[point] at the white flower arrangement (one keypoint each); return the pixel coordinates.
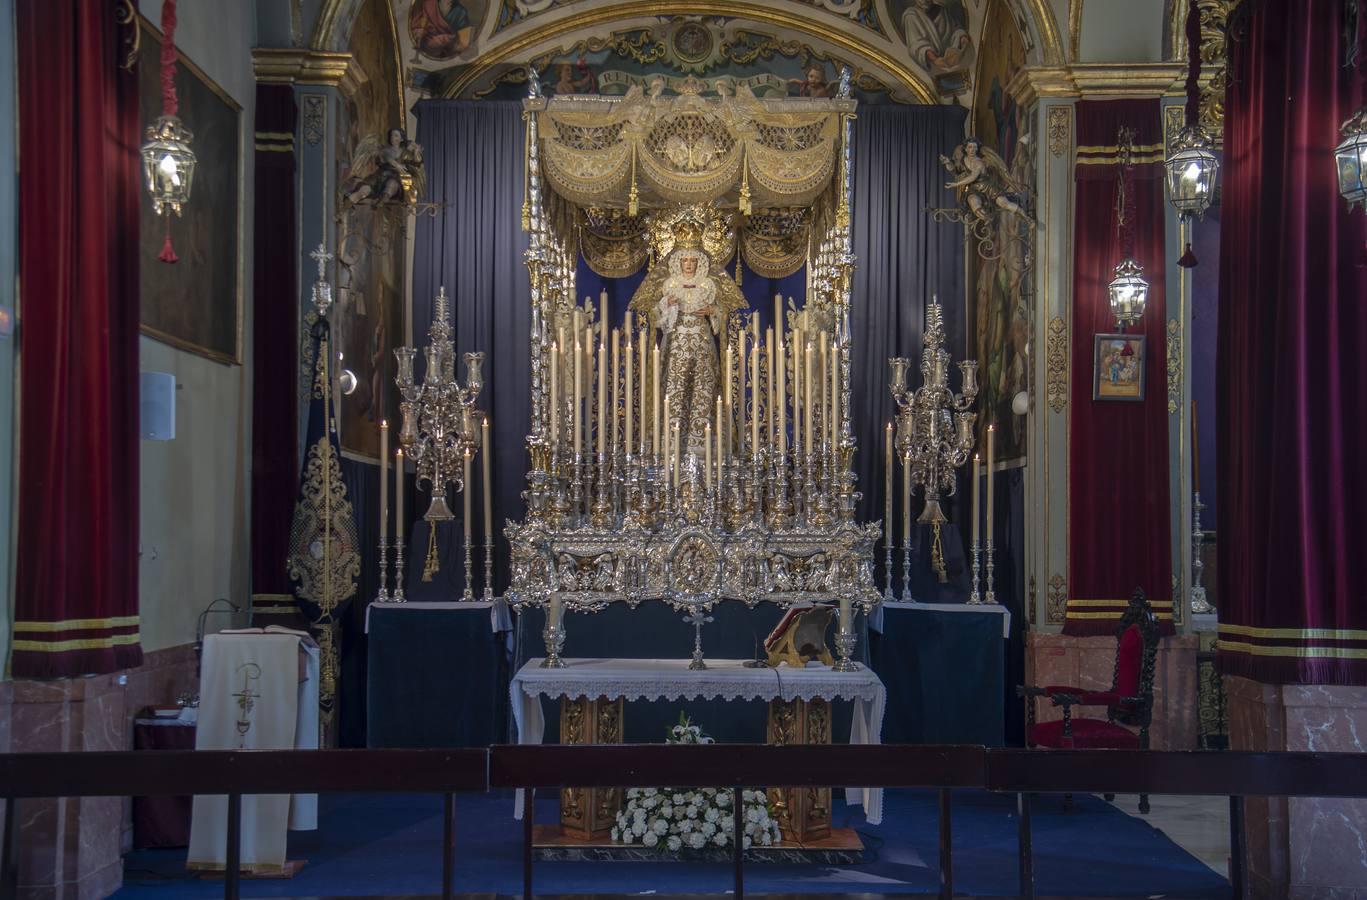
(674, 819)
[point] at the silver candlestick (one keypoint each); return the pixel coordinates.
(382, 596)
(976, 550)
(989, 595)
(906, 568)
(488, 567)
(844, 649)
(469, 593)
(1199, 603)
(398, 571)
(554, 636)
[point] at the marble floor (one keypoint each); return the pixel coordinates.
(1199, 825)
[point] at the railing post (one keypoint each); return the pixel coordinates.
(738, 838)
(232, 866)
(946, 848)
(1027, 855)
(1236, 847)
(9, 855)
(448, 846)
(528, 814)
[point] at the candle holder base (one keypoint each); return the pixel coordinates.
(844, 648)
(974, 596)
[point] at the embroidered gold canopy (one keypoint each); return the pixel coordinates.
(625, 160)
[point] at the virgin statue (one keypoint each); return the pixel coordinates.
(690, 305)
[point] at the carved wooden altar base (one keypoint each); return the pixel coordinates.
(803, 813)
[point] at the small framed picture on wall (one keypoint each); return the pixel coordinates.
(1119, 368)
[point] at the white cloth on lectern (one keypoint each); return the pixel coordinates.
(251, 698)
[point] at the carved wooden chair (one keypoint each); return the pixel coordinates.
(1128, 701)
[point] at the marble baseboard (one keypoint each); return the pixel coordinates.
(1089, 662)
(72, 848)
(1303, 848)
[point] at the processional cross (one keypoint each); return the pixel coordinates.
(697, 617)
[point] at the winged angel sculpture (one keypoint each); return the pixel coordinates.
(689, 299)
(386, 172)
(981, 180)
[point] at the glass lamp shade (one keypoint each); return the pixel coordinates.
(1350, 158)
(1192, 169)
(1129, 292)
(168, 164)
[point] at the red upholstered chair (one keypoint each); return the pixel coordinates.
(1128, 702)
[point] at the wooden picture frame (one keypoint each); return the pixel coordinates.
(1118, 363)
(196, 304)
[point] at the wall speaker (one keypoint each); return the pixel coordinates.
(157, 405)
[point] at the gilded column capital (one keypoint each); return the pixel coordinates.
(293, 65)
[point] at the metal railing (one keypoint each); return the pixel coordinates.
(448, 772)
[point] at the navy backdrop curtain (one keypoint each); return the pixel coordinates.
(901, 259)
(474, 248)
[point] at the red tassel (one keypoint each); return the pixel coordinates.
(1188, 260)
(168, 253)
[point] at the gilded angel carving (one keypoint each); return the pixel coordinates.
(981, 180)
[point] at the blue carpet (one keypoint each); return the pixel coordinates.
(376, 845)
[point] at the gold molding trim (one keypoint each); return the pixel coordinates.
(326, 24)
(300, 66)
(1059, 130)
(1129, 79)
(1034, 82)
(636, 9)
(1056, 360)
(1056, 601)
(1075, 28)
(1043, 14)
(1174, 366)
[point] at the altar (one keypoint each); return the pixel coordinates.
(593, 694)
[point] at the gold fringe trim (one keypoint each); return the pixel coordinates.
(116, 640)
(1333, 634)
(1301, 652)
(77, 624)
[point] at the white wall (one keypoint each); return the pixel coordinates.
(195, 490)
(1121, 31)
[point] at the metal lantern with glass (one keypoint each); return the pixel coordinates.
(1192, 167)
(934, 431)
(1129, 292)
(1350, 159)
(440, 430)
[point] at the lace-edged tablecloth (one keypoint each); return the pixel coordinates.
(723, 679)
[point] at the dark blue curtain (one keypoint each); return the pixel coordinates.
(474, 248)
(901, 259)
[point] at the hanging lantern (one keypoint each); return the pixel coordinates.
(1350, 158)
(1129, 293)
(168, 164)
(1192, 169)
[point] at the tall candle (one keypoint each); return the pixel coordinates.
(655, 398)
(1195, 453)
(603, 317)
(977, 476)
(778, 313)
(721, 454)
(825, 413)
(797, 390)
(782, 404)
(674, 450)
(644, 350)
(771, 419)
(384, 482)
(807, 416)
(469, 489)
(602, 397)
(754, 394)
(399, 524)
(835, 396)
(488, 479)
(668, 454)
(991, 456)
(555, 394)
(887, 489)
(906, 499)
(615, 390)
(726, 375)
(629, 408)
(578, 393)
(707, 456)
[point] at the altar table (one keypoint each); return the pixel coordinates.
(795, 692)
(945, 669)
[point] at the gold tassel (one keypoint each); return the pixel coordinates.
(432, 566)
(937, 555)
(745, 183)
(633, 198)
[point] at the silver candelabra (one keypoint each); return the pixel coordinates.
(934, 426)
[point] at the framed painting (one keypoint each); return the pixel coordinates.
(195, 304)
(1119, 367)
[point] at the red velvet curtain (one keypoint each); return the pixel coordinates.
(1119, 527)
(275, 342)
(76, 603)
(1292, 358)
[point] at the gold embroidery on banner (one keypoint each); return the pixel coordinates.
(1056, 360)
(1174, 366)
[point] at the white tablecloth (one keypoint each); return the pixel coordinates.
(725, 679)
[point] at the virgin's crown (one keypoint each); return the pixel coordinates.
(687, 235)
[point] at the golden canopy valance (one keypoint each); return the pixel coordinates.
(644, 150)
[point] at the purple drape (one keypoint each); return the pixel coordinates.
(1292, 368)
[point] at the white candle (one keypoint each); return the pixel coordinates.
(906, 501)
(629, 408)
(781, 407)
(469, 489)
(721, 453)
(643, 349)
(707, 456)
(991, 456)
(384, 482)
(553, 616)
(602, 397)
(614, 395)
(771, 417)
(754, 396)
(726, 376)
(673, 452)
(668, 453)
(846, 614)
(655, 399)
(578, 393)
(977, 476)
(887, 489)
(821, 401)
(778, 313)
(808, 423)
(835, 396)
(555, 394)
(488, 479)
(399, 524)
(603, 317)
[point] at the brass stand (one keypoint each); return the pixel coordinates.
(803, 813)
(590, 813)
